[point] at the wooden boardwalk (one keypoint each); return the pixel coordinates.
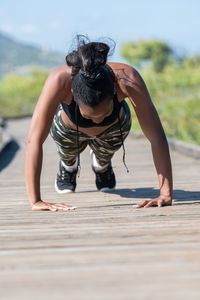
(106, 249)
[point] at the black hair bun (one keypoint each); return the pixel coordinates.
(89, 57)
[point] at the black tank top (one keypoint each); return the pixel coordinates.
(70, 110)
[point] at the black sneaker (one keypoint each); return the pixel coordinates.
(105, 179)
(65, 180)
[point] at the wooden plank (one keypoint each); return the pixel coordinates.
(106, 249)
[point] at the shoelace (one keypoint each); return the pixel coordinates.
(124, 153)
(98, 177)
(104, 176)
(77, 139)
(67, 176)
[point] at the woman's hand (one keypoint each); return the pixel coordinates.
(40, 205)
(159, 201)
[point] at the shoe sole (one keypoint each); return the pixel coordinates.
(106, 189)
(67, 191)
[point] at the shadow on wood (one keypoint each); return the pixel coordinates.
(8, 153)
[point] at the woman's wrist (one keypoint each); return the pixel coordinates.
(166, 197)
(33, 202)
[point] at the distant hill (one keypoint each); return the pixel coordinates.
(18, 57)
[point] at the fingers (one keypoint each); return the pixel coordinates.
(160, 203)
(141, 204)
(52, 207)
(62, 207)
(150, 203)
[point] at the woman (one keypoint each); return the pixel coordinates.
(82, 103)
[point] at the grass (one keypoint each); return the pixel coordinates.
(19, 94)
(175, 92)
(176, 96)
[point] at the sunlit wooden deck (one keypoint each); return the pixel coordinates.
(106, 249)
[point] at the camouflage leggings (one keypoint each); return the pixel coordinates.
(104, 144)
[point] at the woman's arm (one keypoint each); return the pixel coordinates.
(39, 129)
(152, 128)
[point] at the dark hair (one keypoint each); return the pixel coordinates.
(92, 79)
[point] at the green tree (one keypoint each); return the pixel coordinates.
(158, 53)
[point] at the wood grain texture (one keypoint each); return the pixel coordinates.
(106, 249)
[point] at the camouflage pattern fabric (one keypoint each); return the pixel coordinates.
(104, 144)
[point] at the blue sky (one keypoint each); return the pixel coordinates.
(53, 24)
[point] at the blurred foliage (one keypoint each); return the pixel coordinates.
(174, 89)
(176, 95)
(19, 94)
(158, 53)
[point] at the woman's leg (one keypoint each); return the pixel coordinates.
(66, 143)
(103, 148)
(66, 140)
(107, 143)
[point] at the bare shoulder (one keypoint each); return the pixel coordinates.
(60, 77)
(127, 77)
